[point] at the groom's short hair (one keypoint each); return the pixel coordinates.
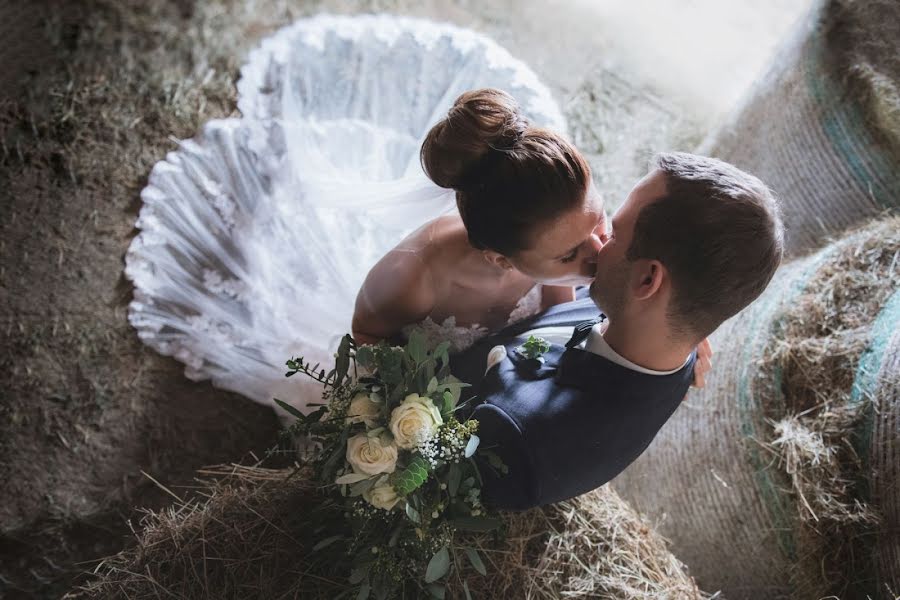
(718, 231)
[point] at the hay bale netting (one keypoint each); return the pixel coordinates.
(822, 128)
(779, 479)
(254, 536)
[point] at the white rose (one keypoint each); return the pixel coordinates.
(414, 421)
(363, 410)
(382, 496)
(371, 455)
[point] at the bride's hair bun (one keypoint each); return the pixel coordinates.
(509, 178)
(481, 121)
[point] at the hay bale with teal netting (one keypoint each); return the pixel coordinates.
(822, 127)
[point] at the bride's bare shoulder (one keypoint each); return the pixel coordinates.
(401, 289)
(436, 239)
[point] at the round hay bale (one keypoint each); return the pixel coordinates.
(822, 127)
(779, 479)
(255, 532)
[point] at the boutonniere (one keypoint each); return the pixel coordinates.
(534, 348)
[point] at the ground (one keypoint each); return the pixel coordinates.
(94, 425)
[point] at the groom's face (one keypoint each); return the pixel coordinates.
(611, 289)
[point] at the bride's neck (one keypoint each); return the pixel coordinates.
(472, 264)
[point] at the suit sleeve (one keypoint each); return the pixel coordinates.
(500, 434)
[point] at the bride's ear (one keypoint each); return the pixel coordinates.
(497, 259)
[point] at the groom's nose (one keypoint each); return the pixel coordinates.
(594, 246)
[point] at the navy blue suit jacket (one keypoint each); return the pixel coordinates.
(565, 426)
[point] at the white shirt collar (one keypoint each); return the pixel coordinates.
(597, 345)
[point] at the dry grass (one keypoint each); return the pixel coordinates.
(816, 349)
(249, 535)
(863, 36)
(254, 531)
(593, 546)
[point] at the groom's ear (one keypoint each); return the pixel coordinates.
(649, 278)
(497, 259)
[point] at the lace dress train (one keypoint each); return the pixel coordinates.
(256, 235)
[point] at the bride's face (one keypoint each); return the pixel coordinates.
(564, 250)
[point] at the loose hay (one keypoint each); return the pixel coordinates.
(253, 536)
(593, 546)
(250, 536)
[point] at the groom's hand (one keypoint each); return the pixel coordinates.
(703, 364)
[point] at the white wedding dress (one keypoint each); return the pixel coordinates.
(257, 234)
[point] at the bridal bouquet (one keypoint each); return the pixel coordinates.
(389, 444)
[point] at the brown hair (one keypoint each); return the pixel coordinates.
(508, 176)
(718, 231)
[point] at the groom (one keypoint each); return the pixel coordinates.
(695, 242)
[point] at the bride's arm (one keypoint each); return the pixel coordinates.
(397, 292)
(551, 295)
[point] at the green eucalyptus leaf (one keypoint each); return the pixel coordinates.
(441, 352)
(429, 373)
(291, 410)
(359, 573)
(415, 347)
(364, 590)
(340, 451)
(466, 590)
(345, 594)
(438, 566)
(381, 587)
(358, 489)
(475, 523)
(437, 591)
(395, 536)
(326, 542)
(475, 559)
(413, 514)
(432, 386)
(350, 478)
(453, 479)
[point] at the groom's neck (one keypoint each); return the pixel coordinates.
(646, 342)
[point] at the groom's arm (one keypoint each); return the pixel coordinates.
(500, 434)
